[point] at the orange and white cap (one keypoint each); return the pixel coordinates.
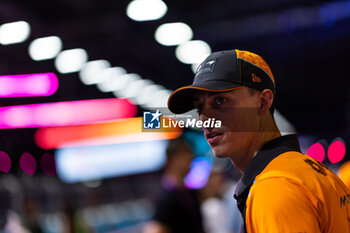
(224, 71)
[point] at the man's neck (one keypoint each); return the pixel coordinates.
(265, 134)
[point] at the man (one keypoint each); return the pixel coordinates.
(281, 190)
(177, 208)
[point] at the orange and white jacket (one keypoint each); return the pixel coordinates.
(284, 191)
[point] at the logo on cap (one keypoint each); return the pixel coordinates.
(255, 78)
(206, 66)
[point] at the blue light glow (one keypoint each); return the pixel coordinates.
(75, 164)
(199, 173)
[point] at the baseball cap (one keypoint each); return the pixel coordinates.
(224, 71)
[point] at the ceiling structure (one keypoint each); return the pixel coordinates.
(306, 44)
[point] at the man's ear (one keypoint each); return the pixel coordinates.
(266, 100)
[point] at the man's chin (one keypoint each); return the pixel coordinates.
(219, 153)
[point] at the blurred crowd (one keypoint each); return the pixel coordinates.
(156, 202)
(159, 202)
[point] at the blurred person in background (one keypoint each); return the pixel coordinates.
(281, 189)
(14, 223)
(31, 210)
(5, 206)
(10, 220)
(219, 210)
(177, 208)
(74, 223)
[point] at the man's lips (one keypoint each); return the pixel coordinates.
(213, 137)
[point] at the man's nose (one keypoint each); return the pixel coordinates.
(205, 112)
(203, 116)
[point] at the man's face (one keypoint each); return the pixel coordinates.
(238, 112)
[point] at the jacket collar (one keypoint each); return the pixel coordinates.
(265, 155)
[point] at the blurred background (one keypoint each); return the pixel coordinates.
(77, 75)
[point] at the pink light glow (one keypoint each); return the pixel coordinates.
(27, 85)
(336, 151)
(317, 151)
(65, 113)
(27, 163)
(5, 162)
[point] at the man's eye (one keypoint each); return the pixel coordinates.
(220, 100)
(197, 105)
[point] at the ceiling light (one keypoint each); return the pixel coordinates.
(134, 88)
(145, 96)
(69, 61)
(122, 82)
(173, 33)
(45, 48)
(89, 74)
(144, 10)
(107, 77)
(158, 99)
(12, 33)
(194, 51)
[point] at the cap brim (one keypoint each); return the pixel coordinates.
(181, 100)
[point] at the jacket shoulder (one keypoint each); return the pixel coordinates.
(296, 166)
